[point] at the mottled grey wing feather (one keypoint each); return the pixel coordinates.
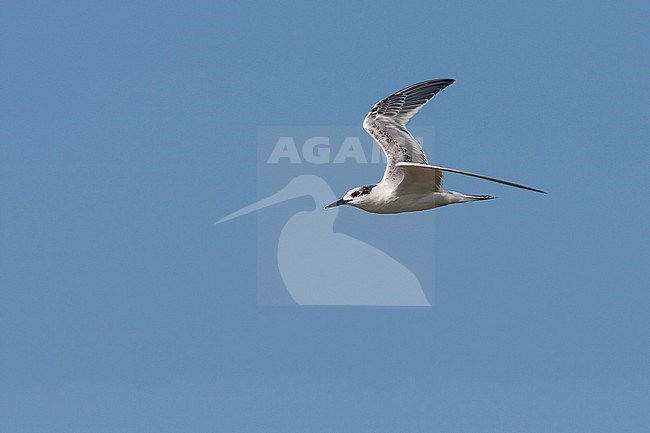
(387, 120)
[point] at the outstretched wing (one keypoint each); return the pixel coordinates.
(417, 179)
(415, 174)
(387, 120)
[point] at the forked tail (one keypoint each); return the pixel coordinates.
(479, 197)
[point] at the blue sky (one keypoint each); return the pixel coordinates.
(128, 129)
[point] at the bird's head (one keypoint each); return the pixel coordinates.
(355, 197)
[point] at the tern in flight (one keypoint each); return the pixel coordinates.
(409, 183)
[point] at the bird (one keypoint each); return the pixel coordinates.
(410, 183)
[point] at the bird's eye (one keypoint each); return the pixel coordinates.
(355, 194)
